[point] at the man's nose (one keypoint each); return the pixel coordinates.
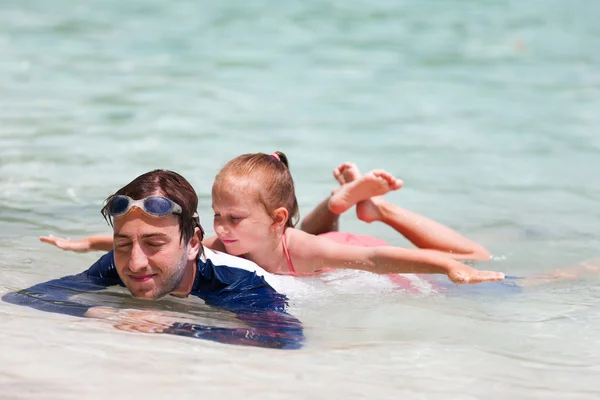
(138, 260)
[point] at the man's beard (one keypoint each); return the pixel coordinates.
(174, 280)
(170, 283)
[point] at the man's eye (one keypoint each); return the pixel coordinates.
(122, 245)
(155, 244)
(235, 217)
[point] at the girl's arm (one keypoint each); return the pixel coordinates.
(315, 253)
(90, 243)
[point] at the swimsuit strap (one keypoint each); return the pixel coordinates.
(287, 255)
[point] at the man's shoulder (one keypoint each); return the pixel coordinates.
(236, 283)
(104, 271)
(243, 269)
(224, 259)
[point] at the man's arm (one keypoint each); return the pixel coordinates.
(270, 329)
(256, 303)
(56, 295)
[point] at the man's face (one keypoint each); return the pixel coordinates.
(149, 256)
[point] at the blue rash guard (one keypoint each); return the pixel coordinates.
(240, 288)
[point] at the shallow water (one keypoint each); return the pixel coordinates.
(488, 112)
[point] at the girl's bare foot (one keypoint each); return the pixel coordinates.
(370, 210)
(346, 173)
(374, 183)
(367, 210)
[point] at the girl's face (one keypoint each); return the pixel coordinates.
(241, 222)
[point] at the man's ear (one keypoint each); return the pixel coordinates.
(194, 245)
(280, 217)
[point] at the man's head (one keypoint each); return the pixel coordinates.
(156, 241)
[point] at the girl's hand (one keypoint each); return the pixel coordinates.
(467, 275)
(77, 245)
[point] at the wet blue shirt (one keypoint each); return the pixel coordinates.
(223, 281)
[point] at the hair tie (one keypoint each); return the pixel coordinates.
(276, 156)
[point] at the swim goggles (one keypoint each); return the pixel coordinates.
(156, 206)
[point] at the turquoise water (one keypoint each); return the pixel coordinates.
(488, 111)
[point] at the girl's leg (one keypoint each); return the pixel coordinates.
(364, 191)
(354, 189)
(421, 231)
(321, 219)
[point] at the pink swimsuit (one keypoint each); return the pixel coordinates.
(287, 256)
(291, 266)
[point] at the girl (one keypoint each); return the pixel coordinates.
(255, 210)
(255, 207)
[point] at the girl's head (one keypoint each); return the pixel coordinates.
(253, 190)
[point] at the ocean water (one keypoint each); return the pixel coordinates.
(487, 110)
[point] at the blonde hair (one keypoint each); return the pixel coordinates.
(275, 186)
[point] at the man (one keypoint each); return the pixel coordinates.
(157, 251)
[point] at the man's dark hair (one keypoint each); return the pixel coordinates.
(168, 184)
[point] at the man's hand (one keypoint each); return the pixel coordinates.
(132, 320)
